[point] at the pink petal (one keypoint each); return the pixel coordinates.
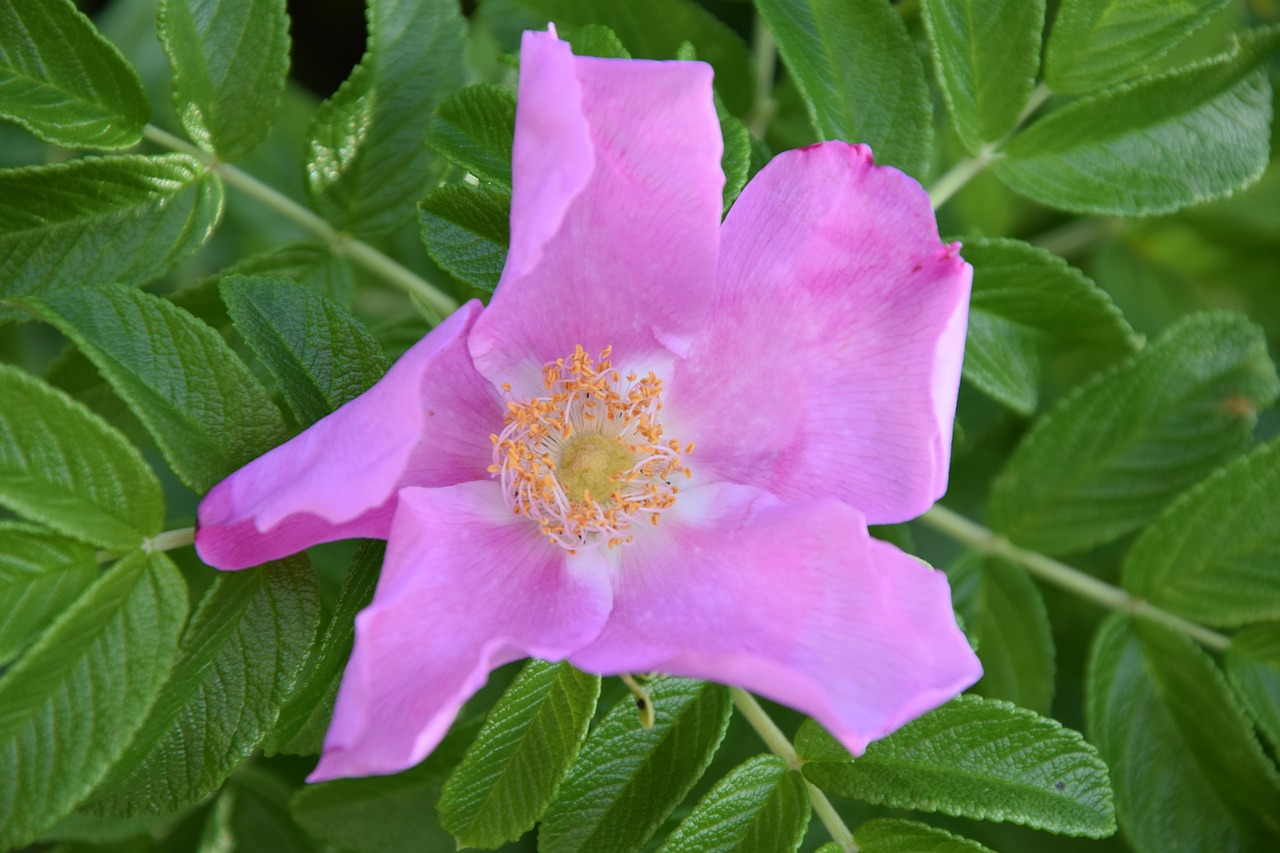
(791, 601)
(615, 210)
(426, 423)
(830, 362)
(466, 587)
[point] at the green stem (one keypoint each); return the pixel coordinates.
(165, 541)
(780, 746)
(766, 62)
(339, 242)
(1073, 580)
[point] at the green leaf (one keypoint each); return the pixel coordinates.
(320, 355)
(123, 219)
(517, 762)
(1109, 456)
(466, 229)
(61, 80)
(63, 466)
(1188, 772)
(627, 779)
(237, 663)
(1212, 555)
(975, 758)
(860, 74)
(1253, 665)
(40, 574)
(1141, 148)
(70, 704)
(366, 162)
(229, 60)
(759, 805)
(1098, 43)
(1003, 611)
(203, 407)
(736, 160)
(596, 40)
(474, 129)
(888, 835)
(251, 815)
(986, 53)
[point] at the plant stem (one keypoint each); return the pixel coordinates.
(339, 242)
(165, 541)
(780, 746)
(766, 62)
(1059, 574)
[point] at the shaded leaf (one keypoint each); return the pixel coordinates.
(887, 835)
(474, 129)
(466, 229)
(1253, 665)
(41, 573)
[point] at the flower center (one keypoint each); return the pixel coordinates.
(588, 459)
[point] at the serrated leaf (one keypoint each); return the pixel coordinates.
(63, 466)
(1156, 145)
(860, 74)
(466, 229)
(70, 704)
(1188, 772)
(205, 410)
(229, 60)
(1003, 361)
(41, 573)
(627, 779)
(514, 768)
(123, 219)
(1109, 456)
(736, 160)
(320, 355)
(759, 805)
(61, 80)
(888, 835)
(1004, 612)
(986, 53)
(474, 129)
(595, 40)
(976, 758)
(1212, 555)
(237, 663)
(366, 163)
(1253, 665)
(1098, 43)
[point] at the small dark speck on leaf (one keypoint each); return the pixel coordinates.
(1060, 786)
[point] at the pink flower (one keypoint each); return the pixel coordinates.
(659, 447)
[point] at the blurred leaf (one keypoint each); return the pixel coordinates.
(70, 704)
(320, 355)
(595, 40)
(61, 80)
(229, 59)
(466, 229)
(887, 835)
(986, 53)
(517, 762)
(1109, 456)
(1253, 665)
(124, 219)
(40, 574)
(252, 815)
(1098, 43)
(860, 73)
(1212, 555)
(311, 264)
(61, 465)
(203, 407)
(976, 758)
(474, 129)
(1141, 148)
(759, 805)
(366, 162)
(1188, 772)
(627, 779)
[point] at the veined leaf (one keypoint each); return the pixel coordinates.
(977, 758)
(736, 160)
(474, 129)
(860, 74)
(70, 704)
(598, 40)
(205, 410)
(229, 60)
(61, 80)
(1188, 772)
(1253, 665)
(887, 835)
(514, 768)
(63, 466)
(41, 573)
(1109, 457)
(1212, 555)
(627, 779)
(1140, 149)
(759, 805)
(123, 219)
(466, 229)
